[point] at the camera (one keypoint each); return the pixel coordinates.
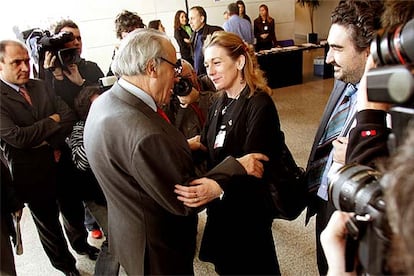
(183, 87)
(40, 41)
(106, 83)
(356, 188)
(393, 80)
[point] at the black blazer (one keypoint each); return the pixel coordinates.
(29, 137)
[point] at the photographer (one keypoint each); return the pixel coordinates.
(67, 80)
(188, 109)
(400, 213)
(368, 140)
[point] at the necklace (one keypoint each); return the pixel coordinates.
(224, 110)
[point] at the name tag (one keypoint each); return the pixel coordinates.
(265, 28)
(219, 142)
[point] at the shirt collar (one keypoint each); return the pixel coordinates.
(136, 91)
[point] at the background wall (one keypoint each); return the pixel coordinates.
(95, 18)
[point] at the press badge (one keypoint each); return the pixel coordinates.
(221, 135)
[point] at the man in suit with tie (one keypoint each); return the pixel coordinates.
(138, 156)
(34, 124)
(354, 25)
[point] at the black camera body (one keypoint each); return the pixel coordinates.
(40, 41)
(183, 87)
(356, 188)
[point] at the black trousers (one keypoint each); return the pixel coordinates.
(45, 214)
(325, 209)
(70, 200)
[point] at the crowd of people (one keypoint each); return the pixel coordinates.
(93, 156)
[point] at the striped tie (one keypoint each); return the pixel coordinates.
(332, 131)
(25, 94)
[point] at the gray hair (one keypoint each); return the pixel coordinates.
(136, 50)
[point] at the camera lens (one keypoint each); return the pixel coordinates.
(183, 87)
(395, 45)
(354, 187)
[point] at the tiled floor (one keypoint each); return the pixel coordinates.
(300, 108)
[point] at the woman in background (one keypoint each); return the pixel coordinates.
(182, 33)
(243, 119)
(156, 25)
(264, 30)
(242, 10)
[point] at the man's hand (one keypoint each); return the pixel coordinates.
(189, 99)
(49, 64)
(252, 163)
(333, 242)
(195, 143)
(200, 192)
(339, 146)
(55, 117)
(73, 74)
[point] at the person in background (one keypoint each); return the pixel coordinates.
(226, 15)
(236, 24)
(126, 133)
(188, 113)
(94, 199)
(34, 125)
(11, 208)
(354, 25)
(242, 11)
(156, 25)
(243, 119)
(264, 30)
(67, 81)
(182, 33)
(198, 23)
(125, 22)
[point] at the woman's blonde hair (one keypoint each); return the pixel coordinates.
(235, 47)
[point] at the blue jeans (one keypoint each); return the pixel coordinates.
(106, 263)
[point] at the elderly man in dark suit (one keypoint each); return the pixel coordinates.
(34, 124)
(138, 157)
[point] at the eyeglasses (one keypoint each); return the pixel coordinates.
(178, 68)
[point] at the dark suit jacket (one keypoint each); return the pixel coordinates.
(205, 31)
(336, 93)
(185, 48)
(29, 137)
(137, 158)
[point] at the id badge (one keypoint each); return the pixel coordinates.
(265, 28)
(219, 142)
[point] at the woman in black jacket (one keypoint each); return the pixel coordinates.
(182, 33)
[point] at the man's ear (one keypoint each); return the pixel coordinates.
(203, 19)
(151, 68)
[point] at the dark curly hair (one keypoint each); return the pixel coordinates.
(83, 100)
(361, 17)
(127, 21)
(64, 23)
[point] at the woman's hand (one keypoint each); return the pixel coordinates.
(200, 192)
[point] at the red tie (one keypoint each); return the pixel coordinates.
(162, 114)
(25, 94)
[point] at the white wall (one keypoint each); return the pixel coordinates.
(95, 18)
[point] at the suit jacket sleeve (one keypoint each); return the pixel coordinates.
(368, 140)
